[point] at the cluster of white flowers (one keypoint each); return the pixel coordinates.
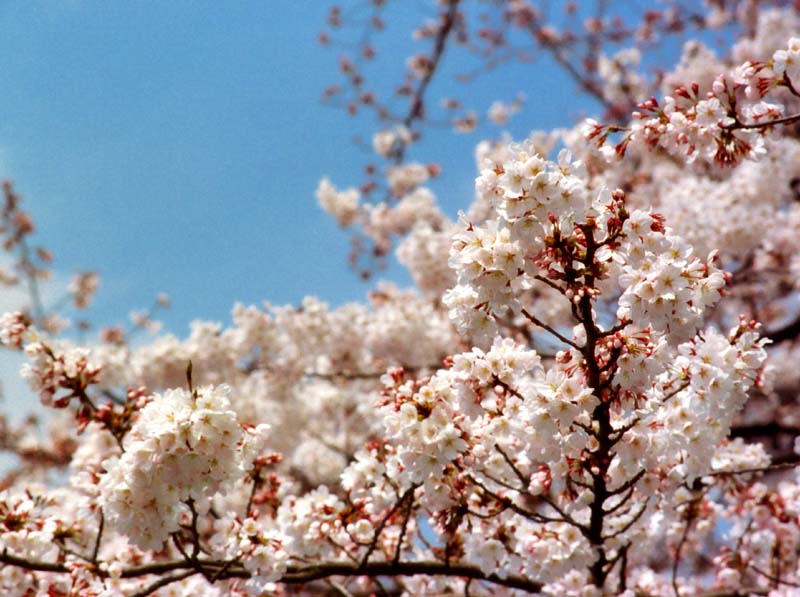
(786, 62)
(728, 124)
(535, 200)
(769, 535)
(735, 216)
(398, 328)
(342, 205)
(58, 368)
(184, 448)
(427, 427)
(381, 222)
(665, 286)
(622, 82)
(424, 252)
(428, 422)
(564, 426)
(15, 330)
(715, 373)
(405, 178)
(500, 113)
(261, 549)
(417, 205)
(698, 64)
(448, 435)
(83, 287)
(387, 141)
(29, 525)
(309, 521)
(310, 368)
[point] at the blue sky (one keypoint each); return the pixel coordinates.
(176, 146)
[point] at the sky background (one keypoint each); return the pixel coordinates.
(177, 146)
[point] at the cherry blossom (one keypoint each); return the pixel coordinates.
(591, 390)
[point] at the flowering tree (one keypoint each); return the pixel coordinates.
(569, 403)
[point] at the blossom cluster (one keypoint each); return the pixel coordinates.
(665, 286)
(569, 403)
(382, 222)
(183, 449)
(536, 200)
(730, 123)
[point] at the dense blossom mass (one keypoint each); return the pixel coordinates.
(592, 390)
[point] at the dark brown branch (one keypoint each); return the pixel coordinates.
(303, 574)
(36, 566)
(417, 101)
(198, 565)
(99, 538)
(757, 430)
(628, 484)
(310, 573)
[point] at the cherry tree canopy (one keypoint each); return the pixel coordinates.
(592, 389)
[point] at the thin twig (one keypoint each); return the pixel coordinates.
(536, 321)
(99, 537)
(404, 527)
(677, 561)
(163, 582)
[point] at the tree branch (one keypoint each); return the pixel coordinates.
(300, 574)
